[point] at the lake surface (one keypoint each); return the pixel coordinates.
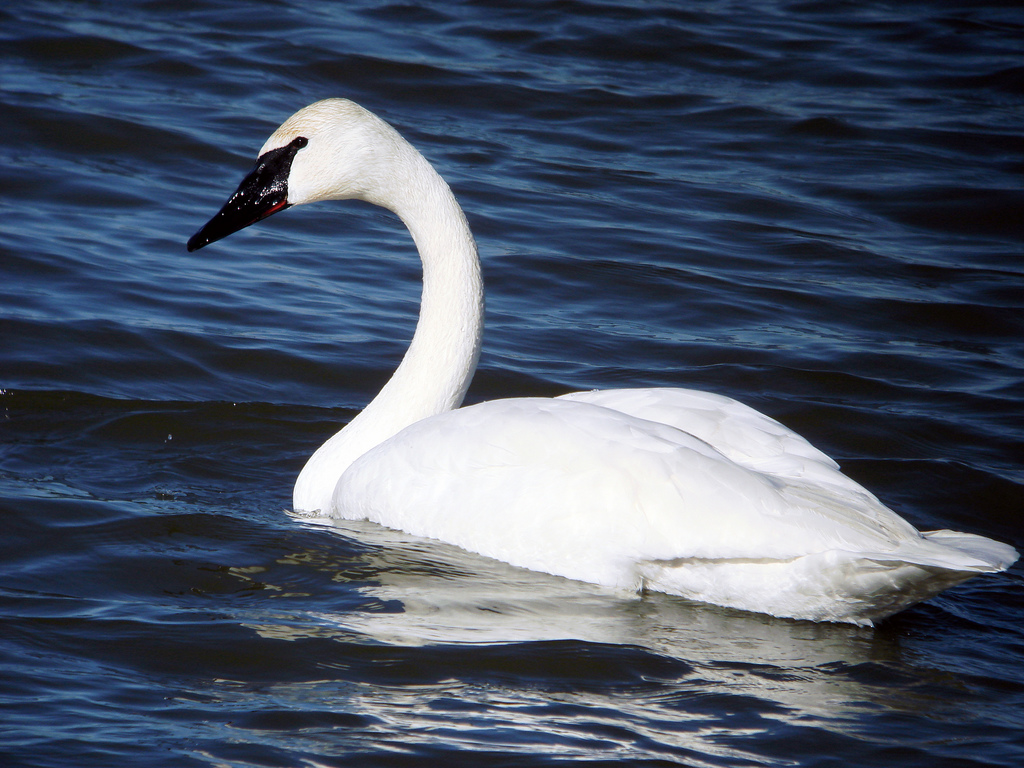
(813, 207)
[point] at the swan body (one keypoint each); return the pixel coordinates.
(671, 490)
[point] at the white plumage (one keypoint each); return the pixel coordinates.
(672, 490)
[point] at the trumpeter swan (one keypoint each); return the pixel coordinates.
(672, 490)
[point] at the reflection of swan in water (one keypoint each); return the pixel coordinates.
(663, 489)
(654, 658)
(437, 594)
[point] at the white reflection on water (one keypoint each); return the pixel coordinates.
(800, 673)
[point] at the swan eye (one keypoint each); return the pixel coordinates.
(299, 142)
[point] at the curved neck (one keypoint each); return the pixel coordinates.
(438, 366)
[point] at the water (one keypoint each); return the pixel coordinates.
(813, 207)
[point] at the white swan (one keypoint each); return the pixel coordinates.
(671, 490)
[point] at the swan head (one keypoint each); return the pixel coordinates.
(331, 150)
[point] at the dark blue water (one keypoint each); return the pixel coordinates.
(814, 207)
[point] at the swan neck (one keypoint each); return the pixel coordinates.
(438, 366)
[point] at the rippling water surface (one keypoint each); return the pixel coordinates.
(813, 207)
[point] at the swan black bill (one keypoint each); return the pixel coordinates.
(262, 193)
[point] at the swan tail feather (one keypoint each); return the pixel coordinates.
(858, 588)
(974, 553)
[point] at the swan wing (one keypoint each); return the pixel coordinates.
(566, 486)
(762, 444)
(740, 433)
(592, 493)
